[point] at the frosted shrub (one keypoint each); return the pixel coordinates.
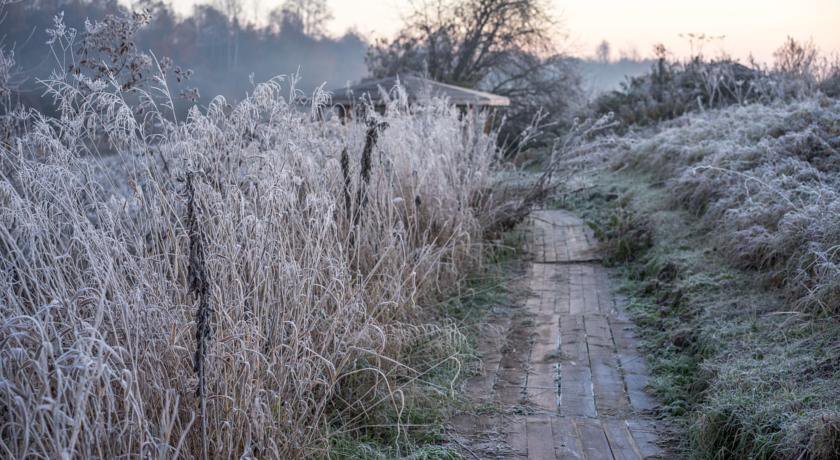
(673, 88)
(177, 286)
(766, 178)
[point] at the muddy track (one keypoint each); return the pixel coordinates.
(562, 377)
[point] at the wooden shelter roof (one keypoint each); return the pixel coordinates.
(416, 88)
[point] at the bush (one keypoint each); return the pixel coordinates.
(674, 88)
(830, 86)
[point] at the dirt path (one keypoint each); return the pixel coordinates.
(562, 377)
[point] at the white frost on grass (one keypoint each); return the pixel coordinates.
(766, 178)
(312, 312)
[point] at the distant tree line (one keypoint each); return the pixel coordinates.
(507, 47)
(224, 51)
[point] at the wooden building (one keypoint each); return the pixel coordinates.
(374, 93)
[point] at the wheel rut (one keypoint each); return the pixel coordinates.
(562, 377)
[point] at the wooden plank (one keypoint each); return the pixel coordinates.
(598, 332)
(632, 361)
(490, 342)
(608, 389)
(607, 381)
(517, 436)
(563, 291)
(540, 438)
(567, 253)
(538, 281)
(593, 439)
(576, 397)
(576, 391)
(640, 399)
(634, 368)
(589, 285)
(542, 387)
(512, 368)
(606, 298)
(509, 386)
(542, 380)
(566, 439)
(547, 339)
(622, 445)
(577, 300)
(644, 434)
(573, 338)
(511, 375)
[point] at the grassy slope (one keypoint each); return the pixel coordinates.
(741, 373)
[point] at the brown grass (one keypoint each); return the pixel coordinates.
(239, 319)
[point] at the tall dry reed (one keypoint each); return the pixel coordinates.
(176, 287)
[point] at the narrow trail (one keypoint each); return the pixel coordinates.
(562, 377)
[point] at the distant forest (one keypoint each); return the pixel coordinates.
(223, 51)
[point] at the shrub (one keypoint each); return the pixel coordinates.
(673, 88)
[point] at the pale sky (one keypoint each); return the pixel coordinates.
(749, 26)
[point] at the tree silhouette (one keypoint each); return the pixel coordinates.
(603, 51)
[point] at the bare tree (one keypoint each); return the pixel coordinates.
(603, 51)
(232, 9)
(502, 46)
(796, 59)
(313, 15)
(461, 41)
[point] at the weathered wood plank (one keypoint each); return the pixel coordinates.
(570, 363)
(542, 387)
(573, 340)
(479, 388)
(576, 392)
(517, 436)
(540, 438)
(608, 384)
(644, 433)
(593, 439)
(566, 439)
(622, 445)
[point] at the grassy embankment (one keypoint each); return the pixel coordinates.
(724, 228)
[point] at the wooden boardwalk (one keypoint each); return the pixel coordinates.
(561, 373)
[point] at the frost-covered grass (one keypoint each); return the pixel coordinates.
(740, 373)
(766, 182)
(737, 289)
(231, 283)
